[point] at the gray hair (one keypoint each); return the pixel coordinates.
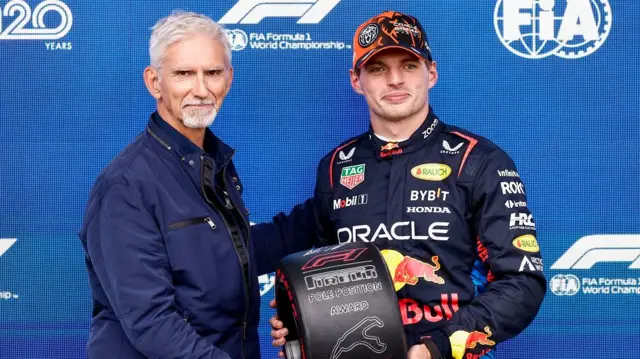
(178, 26)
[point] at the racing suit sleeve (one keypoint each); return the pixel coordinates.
(325, 230)
(306, 226)
(284, 235)
(508, 249)
(126, 249)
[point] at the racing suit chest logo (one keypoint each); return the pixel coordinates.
(409, 230)
(431, 171)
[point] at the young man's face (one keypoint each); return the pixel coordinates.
(395, 84)
(193, 80)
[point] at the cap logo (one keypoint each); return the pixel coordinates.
(407, 29)
(368, 35)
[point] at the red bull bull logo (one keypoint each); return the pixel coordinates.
(411, 269)
(479, 338)
(389, 146)
(390, 149)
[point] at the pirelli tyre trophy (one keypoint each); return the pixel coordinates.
(339, 302)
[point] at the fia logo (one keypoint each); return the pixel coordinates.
(535, 29)
(564, 284)
(253, 11)
(238, 39)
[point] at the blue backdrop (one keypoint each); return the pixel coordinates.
(558, 87)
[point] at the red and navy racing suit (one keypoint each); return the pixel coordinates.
(451, 208)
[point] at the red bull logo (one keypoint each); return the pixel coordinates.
(412, 312)
(390, 149)
(479, 338)
(408, 270)
(389, 146)
(411, 269)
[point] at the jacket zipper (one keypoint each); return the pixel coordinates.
(191, 222)
(245, 281)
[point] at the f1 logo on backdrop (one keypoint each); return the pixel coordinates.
(253, 11)
(535, 29)
(589, 250)
(593, 249)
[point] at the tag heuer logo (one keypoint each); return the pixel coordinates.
(352, 176)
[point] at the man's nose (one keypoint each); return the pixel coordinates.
(395, 77)
(199, 86)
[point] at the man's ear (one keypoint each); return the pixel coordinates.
(433, 75)
(226, 91)
(152, 81)
(355, 81)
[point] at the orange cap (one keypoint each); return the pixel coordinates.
(390, 29)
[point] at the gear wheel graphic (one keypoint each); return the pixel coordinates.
(606, 9)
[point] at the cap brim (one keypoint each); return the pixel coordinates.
(373, 52)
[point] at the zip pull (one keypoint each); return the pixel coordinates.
(227, 200)
(210, 222)
(244, 330)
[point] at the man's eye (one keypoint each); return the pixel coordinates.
(182, 73)
(375, 69)
(411, 66)
(216, 72)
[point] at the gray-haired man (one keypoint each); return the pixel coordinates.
(172, 270)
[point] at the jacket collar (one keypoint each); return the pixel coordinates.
(176, 142)
(425, 133)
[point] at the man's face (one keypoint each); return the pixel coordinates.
(395, 84)
(192, 81)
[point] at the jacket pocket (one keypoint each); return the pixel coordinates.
(191, 222)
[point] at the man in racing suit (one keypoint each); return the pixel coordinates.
(446, 207)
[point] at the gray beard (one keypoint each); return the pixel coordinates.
(198, 118)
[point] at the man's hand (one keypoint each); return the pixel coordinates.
(419, 351)
(277, 331)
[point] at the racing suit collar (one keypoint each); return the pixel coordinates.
(176, 142)
(426, 132)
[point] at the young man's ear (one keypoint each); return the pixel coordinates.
(355, 81)
(152, 81)
(433, 74)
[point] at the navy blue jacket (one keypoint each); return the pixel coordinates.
(449, 211)
(172, 269)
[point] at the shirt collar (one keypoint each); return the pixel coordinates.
(426, 132)
(176, 142)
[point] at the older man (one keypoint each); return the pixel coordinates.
(166, 233)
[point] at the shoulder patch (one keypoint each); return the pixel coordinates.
(477, 150)
(341, 155)
(472, 143)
